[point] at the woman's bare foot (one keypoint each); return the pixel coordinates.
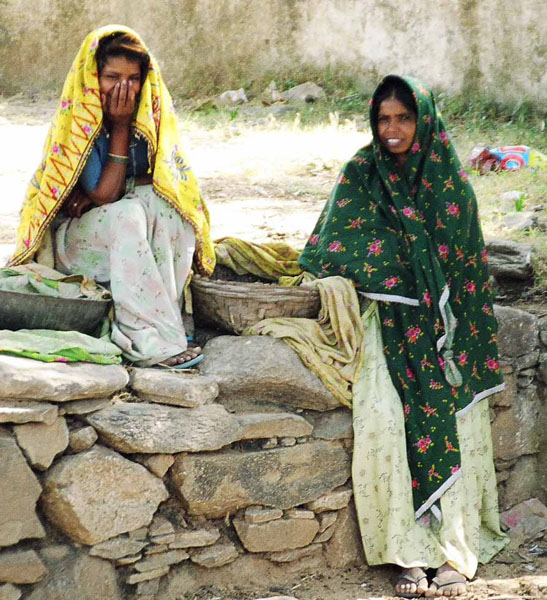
(447, 583)
(412, 583)
(191, 352)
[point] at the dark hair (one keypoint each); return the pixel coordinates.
(124, 44)
(392, 87)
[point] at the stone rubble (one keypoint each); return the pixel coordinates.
(178, 480)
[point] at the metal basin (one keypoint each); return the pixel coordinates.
(34, 311)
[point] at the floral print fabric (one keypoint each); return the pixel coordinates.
(412, 241)
(144, 249)
(469, 531)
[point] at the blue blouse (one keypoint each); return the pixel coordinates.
(138, 161)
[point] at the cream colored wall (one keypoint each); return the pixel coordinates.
(496, 46)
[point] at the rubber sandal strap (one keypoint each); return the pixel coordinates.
(451, 581)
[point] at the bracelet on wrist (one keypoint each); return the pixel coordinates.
(118, 158)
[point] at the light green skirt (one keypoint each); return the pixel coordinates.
(469, 531)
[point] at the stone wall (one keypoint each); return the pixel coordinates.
(207, 45)
(151, 483)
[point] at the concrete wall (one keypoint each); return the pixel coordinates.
(491, 45)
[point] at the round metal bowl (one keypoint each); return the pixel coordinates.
(19, 310)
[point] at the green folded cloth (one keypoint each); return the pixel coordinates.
(59, 346)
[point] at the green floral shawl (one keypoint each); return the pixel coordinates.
(412, 241)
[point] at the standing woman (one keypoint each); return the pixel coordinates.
(114, 198)
(402, 223)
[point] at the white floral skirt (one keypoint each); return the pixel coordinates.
(469, 531)
(143, 249)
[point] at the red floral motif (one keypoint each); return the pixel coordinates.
(435, 385)
(448, 184)
(429, 411)
(415, 483)
(389, 322)
(484, 256)
(487, 309)
(415, 147)
(342, 179)
(393, 177)
(427, 298)
(336, 246)
(470, 287)
(492, 364)
(413, 334)
(462, 359)
(369, 269)
(355, 223)
(453, 209)
(463, 174)
(443, 136)
(449, 446)
(432, 473)
(343, 202)
(375, 248)
(313, 240)
(454, 469)
(444, 251)
(410, 373)
(390, 282)
(428, 186)
(423, 444)
(435, 157)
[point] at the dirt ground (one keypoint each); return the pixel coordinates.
(262, 181)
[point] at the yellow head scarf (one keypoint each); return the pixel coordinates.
(76, 124)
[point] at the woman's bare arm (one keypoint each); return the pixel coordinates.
(119, 109)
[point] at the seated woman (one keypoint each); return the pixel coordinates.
(114, 198)
(402, 223)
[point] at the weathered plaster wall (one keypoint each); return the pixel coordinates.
(457, 45)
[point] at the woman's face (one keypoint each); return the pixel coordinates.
(396, 128)
(119, 69)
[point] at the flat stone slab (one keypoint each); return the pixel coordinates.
(276, 536)
(215, 484)
(158, 561)
(268, 425)
(98, 494)
(41, 443)
(116, 548)
(19, 492)
(27, 379)
(215, 556)
(334, 500)
(157, 429)
(263, 369)
(171, 387)
(335, 425)
(27, 411)
(194, 538)
(21, 566)
(84, 407)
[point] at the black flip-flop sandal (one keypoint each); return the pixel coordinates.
(451, 581)
(415, 581)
